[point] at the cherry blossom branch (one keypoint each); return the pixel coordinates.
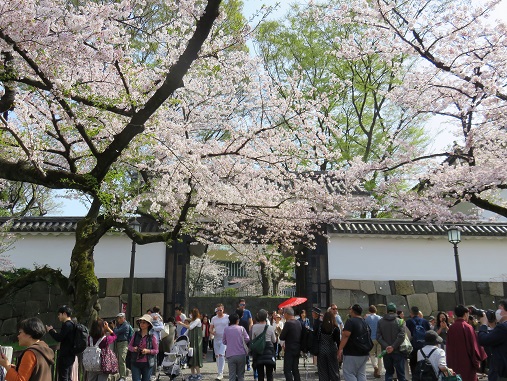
(172, 82)
(77, 98)
(65, 106)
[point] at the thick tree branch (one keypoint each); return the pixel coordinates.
(172, 82)
(487, 205)
(25, 172)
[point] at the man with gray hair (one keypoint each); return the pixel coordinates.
(291, 334)
(123, 333)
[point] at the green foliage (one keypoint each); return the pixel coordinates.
(357, 120)
(14, 275)
(19, 278)
(230, 292)
(351, 92)
(19, 199)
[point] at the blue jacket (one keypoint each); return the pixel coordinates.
(122, 331)
(496, 340)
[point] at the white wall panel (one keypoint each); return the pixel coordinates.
(112, 255)
(416, 258)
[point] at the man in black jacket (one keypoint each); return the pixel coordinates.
(390, 335)
(65, 358)
(291, 333)
(496, 340)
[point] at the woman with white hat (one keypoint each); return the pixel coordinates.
(144, 348)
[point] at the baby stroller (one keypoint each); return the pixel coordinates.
(177, 359)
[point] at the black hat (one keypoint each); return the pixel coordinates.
(316, 310)
(432, 338)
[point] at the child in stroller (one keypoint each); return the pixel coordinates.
(176, 359)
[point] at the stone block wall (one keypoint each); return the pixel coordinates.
(42, 294)
(429, 296)
(147, 292)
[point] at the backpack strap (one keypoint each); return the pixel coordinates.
(429, 354)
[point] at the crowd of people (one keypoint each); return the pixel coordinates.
(465, 341)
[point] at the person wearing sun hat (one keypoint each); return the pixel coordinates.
(435, 354)
(144, 348)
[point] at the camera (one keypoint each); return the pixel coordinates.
(476, 311)
(490, 314)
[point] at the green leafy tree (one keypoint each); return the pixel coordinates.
(355, 119)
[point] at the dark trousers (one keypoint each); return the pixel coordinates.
(268, 374)
(412, 360)
(64, 372)
(142, 373)
(392, 362)
(205, 343)
(290, 367)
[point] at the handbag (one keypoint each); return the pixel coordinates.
(165, 332)
(406, 346)
(445, 376)
(245, 346)
(258, 343)
(109, 362)
(456, 377)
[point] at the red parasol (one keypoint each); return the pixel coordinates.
(292, 302)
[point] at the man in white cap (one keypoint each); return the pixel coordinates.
(123, 332)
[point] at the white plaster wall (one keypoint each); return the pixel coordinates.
(416, 258)
(112, 255)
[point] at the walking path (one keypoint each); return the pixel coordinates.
(307, 370)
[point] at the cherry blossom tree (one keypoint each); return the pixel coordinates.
(457, 71)
(189, 133)
(205, 275)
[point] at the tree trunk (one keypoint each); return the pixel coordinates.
(264, 279)
(276, 286)
(84, 282)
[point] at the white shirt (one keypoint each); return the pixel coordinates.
(437, 358)
(219, 324)
(195, 323)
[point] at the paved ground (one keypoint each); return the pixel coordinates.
(306, 369)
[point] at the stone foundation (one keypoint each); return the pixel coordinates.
(429, 296)
(43, 294)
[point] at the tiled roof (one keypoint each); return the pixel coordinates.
(358, 226)
(58, 224)
(405, 227)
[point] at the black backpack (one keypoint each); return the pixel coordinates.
(363, 341)
(424, 370)
(80, 339)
